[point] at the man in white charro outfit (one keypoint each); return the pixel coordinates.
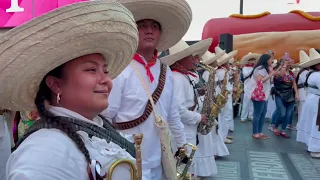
(248, 61)
(182, 60)
(161, 24)
(226, 113)
(300, 80)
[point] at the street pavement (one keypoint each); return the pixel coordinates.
(274, 159)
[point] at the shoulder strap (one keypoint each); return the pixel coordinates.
(246, 77)
(108, 132)
(195, 92)
(148, 109)
(308, 75)
(298, 75)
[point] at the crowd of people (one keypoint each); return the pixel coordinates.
(87, 87)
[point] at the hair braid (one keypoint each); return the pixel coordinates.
(44, 94)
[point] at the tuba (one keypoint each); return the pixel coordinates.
(182, 171)
(136, 170)
(208, 103)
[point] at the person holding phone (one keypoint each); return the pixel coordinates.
(262, 71)
(285, 92)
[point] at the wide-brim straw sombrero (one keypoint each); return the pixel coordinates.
(314, 59)
(209, 57)
(174, 16)
(30, 51)
(231, 61)
(182, 50)
(226, 57)
(245, 59)
(303, 56)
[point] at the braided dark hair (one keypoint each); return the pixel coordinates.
(44, 93)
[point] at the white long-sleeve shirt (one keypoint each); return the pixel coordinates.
(127, 101)
(220, 76)
(49, 154)
(184, 93)
(246, 71)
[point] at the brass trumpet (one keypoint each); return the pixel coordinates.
(135, 170)
(184, 175)
(205, 67)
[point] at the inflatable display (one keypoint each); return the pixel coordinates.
(291, 32)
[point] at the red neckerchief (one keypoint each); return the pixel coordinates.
(148, 65)
(223, 67)
(178, 68)
(249, 65)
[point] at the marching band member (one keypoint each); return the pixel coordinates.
(303, 126)
(182, 60)
(212, 144)
(232, 82)
(219, 147)
(310, 110)
(66, 74)
(161, 24)
(248, 61)
(226, 113)
(300, 80)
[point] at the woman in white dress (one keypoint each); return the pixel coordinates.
(308, 124)
(64, 68)
(301, 79)
(311, 107)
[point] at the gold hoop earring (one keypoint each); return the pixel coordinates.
(58, 98)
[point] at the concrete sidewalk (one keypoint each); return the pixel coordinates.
(274, 159)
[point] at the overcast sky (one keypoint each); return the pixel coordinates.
(208, 9)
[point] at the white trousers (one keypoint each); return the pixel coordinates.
(247, 107)
(153, 174)
(5, 149)
(225, 118)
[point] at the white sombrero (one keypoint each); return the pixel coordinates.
(314, 58)
(245, 59)
(182, 50)
(209, 57)
(174, 16)
(30, 51)
(303, 58)
(226, 57)
(231, 61)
